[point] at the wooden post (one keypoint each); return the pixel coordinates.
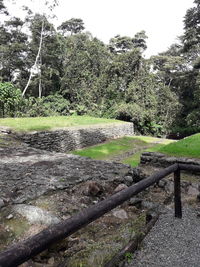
(177, 194)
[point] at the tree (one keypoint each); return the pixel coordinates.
(3, 9)
(13, 48)
(84, 63)
(139, 40)
(120, 44)
(73, 26)
(36, 64)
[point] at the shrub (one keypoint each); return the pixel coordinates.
(10, 99)
(51, 105)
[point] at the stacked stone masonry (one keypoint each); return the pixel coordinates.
(64, 140)
(161, 160)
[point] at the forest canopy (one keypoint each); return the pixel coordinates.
(46, 71)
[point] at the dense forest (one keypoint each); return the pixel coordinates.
(65, 70)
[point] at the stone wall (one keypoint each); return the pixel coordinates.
(161, 160)
(68, 139)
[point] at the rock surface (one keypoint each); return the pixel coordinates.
(68, 139)
(26, 173)
(162, 160)
(35, 215)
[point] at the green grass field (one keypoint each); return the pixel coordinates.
(111, 148)
(48, 123)
(121, 145)
(187, 147)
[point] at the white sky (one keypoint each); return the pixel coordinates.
(161, 19)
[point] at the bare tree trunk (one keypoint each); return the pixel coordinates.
(36, 60)
(40, 86)
(40, 79)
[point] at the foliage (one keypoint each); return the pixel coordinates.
(178, 132)
(73, 26)
(73, 72)
(10, 98)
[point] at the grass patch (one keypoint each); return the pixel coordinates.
(48, 123)
(110, 149)
(187, 147)
(119, 146)
(135, 159)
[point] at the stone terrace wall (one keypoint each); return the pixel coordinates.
(69, 139)
(161, 160)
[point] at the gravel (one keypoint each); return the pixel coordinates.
(172, 242)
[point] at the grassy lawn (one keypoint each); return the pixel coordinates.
(119, 146)
(48, 123)
(110, 149)
(187, 147)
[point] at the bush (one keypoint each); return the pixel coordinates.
(10, 99)
(181, 132)
(52, 105)
(144, 120)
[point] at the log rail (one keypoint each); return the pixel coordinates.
(24, 250)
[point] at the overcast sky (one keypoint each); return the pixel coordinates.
(161, 19)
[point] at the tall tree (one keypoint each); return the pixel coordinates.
(74, 25)
(13, 48)
(37, 62)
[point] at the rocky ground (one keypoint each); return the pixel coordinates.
(40, 188)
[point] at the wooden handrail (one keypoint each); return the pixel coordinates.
(24, 250)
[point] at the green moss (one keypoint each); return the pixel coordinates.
(18, 226)
(11, 229)
(100, 251)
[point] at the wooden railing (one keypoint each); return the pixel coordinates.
(23, 251)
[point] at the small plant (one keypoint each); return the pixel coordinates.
(128, 256)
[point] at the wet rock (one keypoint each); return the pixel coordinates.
(10, 216)
(138, 175)
(128, 180)
(51, 261)
(150, 215)
(162, 183)
(120, 187)
(35, 215)
(92, 188)
(169, 187)
(2, 203)
(193, 191)
(5, 130)
(198, 197)
(3, 233)
(135, 202)
(149, 205)
(120, 214)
